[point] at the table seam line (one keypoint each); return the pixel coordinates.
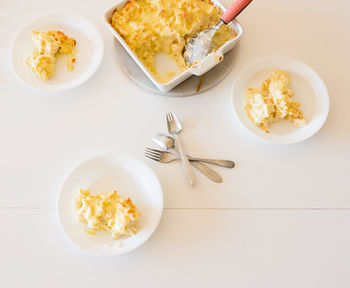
(205, 208)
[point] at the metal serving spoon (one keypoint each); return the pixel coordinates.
(168, 143)
(198, 47)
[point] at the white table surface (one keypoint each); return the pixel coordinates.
(280, 218)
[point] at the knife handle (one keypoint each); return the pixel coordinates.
(210, 173)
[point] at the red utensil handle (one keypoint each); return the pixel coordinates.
(235, 8)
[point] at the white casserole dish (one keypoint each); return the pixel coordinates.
(199, 69)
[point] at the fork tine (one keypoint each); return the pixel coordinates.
(171, 116)
(176, 123)
(153, 153)
(150, 157)
(154, 150)
(154, 157)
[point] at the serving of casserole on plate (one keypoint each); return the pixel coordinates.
(148, 30)
(101, 221)
(48, 53)
(307, 112)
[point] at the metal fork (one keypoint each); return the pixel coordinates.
(174, 127)
(167, 157)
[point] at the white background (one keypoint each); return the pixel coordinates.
(280, 219)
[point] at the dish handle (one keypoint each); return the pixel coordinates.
(207, 63)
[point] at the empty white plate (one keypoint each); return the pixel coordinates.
(105, 173)
(309, 90)
(89, 52)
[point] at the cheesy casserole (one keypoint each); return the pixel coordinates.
(153, 26)
(273, 102)
(106, 211)
(48, 47)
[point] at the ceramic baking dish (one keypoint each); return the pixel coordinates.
(199, 69)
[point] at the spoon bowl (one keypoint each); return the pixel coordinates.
(198, 47)
(166, 142)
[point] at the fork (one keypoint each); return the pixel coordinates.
(167, 157)
(174, 128)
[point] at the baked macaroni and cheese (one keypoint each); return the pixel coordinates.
(48, 47)
(106, 211)
(273, 102)
(153, 26)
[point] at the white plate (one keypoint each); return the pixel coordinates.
(103, 173)
(89, 55)
(309, 90)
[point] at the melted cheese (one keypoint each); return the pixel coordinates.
(153, 26)
(273, 102)
(48, 47)
(106, 211)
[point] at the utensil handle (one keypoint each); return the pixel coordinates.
(223, 163)
(233, 11)
(185, 163)
(210, 173)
